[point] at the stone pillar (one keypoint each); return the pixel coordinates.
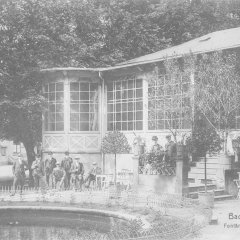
(135, 171)
(182, 174)
(179, 176)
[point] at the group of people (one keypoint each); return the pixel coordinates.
(67, 174)
(166, 155)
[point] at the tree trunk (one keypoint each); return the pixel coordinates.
(30, 158)
(115, 170)
(205, 172)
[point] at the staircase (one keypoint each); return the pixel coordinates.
(215, 178)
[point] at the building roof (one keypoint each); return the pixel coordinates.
(216, 41)
(220, 40)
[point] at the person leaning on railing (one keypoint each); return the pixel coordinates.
(77, 171)
(37, 171)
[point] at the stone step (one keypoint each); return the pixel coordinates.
(217, 192)
(193, 187)
(202, 170)
(197, 176)
(210, 165)
(223, 197)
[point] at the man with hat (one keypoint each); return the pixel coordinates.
(66, 165)
(58, 176)
(37, 171)
(18, 173)
(156, 147)
(50, 164)
(77, 171)
(170, 151)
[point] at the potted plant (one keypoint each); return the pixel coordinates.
(115, 143)
(204, 140)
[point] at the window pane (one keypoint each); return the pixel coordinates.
(110, 117)
(124, 107)
(130, 106)
(130, 84)
(118, 117)
(139, 93)
(84, 87)
(110, 87)
(93, 86)
(59, 107)
(84, 126)
(139, 125)
(74, 117)
(130, 125)
(59, 117)
(118, 86)
(124, 116)
(118, 107)
(84, 108)
(118, 126)
(59, 87)
(74, 108)
(110, 107)
(84, 96)
(84, 117)
(74, 126)
(124, 126)
(59, 126)
(52, 87)
(52, 126)
(51, 97)
(110, 126)
(130, 93)
(139, 115)
(139, 83)
(52, 108)
(74, 86)
(130, 115)
(110, 96)
(59, 96)
(74, 96)
(139, 106)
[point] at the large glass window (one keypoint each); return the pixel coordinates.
(54, 116)
(83, 106)
(169, 102)
(125, 105)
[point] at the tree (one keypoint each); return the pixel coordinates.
(203, 140)
(115, 143)
(36, 35)
(170, 95)
(217, 90)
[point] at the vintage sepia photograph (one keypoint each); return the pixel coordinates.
(119, 119)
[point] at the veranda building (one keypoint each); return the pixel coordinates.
(85, 103)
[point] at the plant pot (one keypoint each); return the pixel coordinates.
(206, 198)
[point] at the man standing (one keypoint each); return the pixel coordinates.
(66, 165)
(38, 171)
(18, 173)
(77, 171)
(58, 176)
(50, 164)
(170, 151)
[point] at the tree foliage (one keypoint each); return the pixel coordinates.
(217, 89)
(115, 142)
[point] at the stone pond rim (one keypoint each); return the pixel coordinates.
(61, 216)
